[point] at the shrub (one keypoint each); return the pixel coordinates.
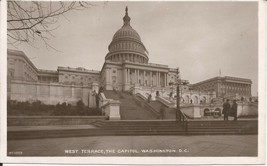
(80, 105)
(36, 105)
(38, 108)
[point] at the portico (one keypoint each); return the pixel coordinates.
(146, 75)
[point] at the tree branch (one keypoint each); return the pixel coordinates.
(29, 21)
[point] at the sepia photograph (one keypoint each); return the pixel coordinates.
(133, 79)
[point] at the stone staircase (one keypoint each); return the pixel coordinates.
(140, 127)
(169, 113)
(144, 127)
(130, 108)
(200, 127)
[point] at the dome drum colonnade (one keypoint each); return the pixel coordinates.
(126, 63)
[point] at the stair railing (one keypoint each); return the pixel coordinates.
(145, 104)
(166, 102)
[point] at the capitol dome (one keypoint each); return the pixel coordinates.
(126, 44)
(126, 31)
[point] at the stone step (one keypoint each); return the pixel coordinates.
(113, 128)
(164, 122)
(104, 132)
(174, 127)
(238, 127)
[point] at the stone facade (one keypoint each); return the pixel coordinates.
(27, 83)
(52, 93)
(226, 87)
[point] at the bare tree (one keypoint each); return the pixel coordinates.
(30, 21)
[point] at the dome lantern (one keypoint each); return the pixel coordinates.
(126, 18)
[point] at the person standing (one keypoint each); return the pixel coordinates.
(170, 96)
(234, 109)
(226, 109)
(149, 98)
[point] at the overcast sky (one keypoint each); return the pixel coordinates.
(200, 38)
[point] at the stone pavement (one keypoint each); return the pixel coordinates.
(214, 146)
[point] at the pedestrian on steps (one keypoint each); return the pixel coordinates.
(149, 98)
(234, 110)
(226, 110)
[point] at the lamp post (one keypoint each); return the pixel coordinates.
(178, 83)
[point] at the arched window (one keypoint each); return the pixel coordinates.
(206, 112)
(204, 99)
(218, 110)
(187, 99)
(195, 99)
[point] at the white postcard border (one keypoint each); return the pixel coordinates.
(141, 160)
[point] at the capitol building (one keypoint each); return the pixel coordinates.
(126, 68)
(126, 63)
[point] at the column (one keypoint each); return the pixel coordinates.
(167, 84)
(140, 76)
(128, 75)
(150, 78)
(137, 76)
(145, 78)
(165, 79)
(125, 76)
(107, 75)
(142, 80)
(157, 78)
